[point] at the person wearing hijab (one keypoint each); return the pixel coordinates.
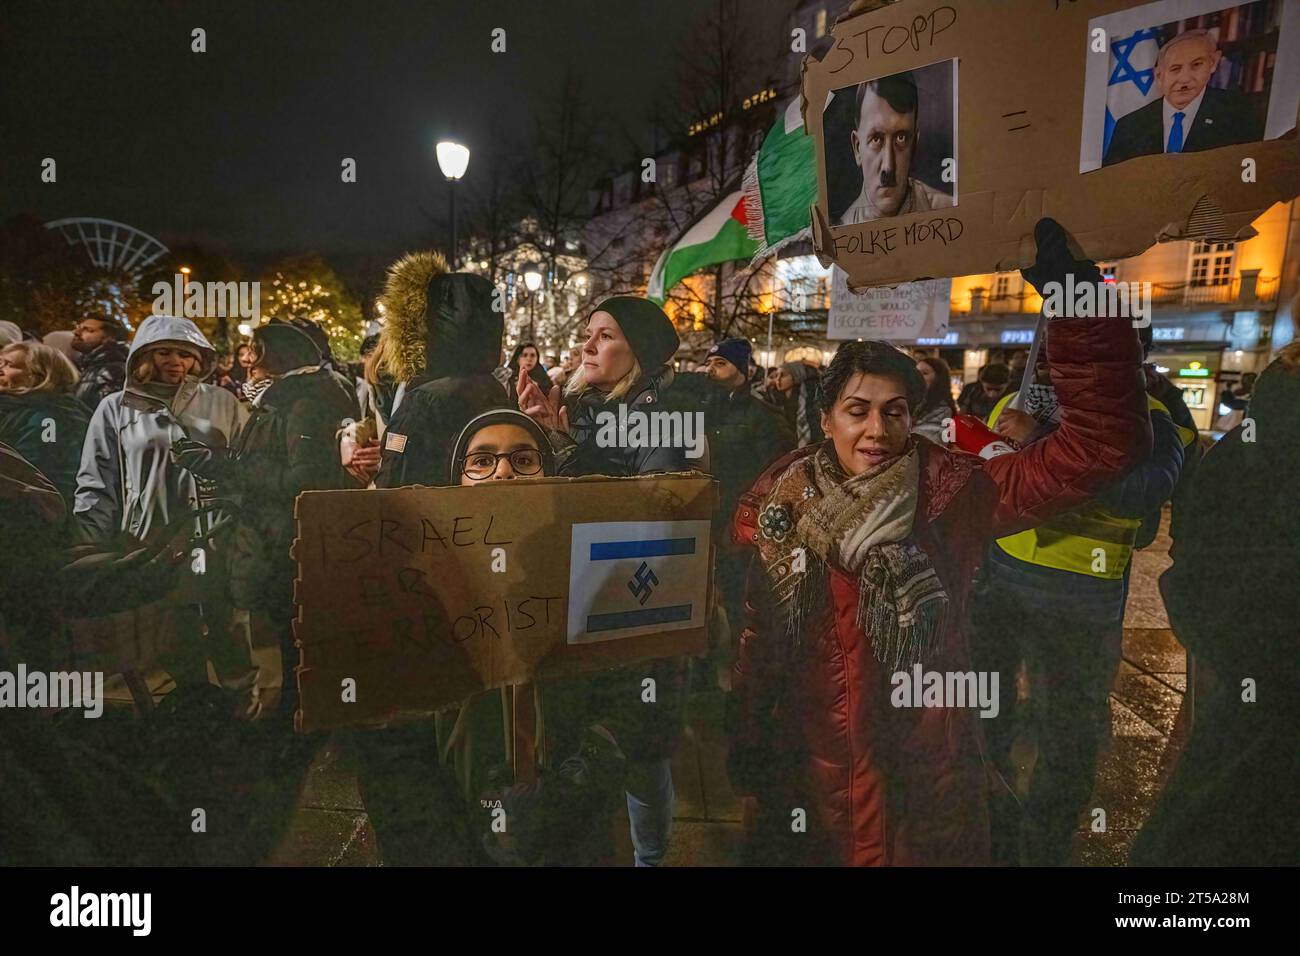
(625, 363)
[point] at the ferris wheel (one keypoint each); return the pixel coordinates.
(112, 246)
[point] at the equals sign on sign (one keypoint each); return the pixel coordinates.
(1020, 117)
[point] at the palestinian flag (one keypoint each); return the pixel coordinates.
(781, 184)
(769, 211)
(720, 235)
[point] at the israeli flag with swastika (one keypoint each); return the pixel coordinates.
(628, 578)
(1132, 81)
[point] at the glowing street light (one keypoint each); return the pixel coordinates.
(532, 282)
(533, 278)
(453, 160)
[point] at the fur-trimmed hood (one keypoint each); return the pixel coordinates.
(438, 324)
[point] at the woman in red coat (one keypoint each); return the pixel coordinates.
(867, 544)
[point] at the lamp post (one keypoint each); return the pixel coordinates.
(453, 160)
(533, 280)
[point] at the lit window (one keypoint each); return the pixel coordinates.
(1212, 263)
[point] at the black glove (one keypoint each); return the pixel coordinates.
(1054, 261)
(199, 459)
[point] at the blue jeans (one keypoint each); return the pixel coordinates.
(650, 809)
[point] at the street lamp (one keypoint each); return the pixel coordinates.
(453, 160)
(533, 281)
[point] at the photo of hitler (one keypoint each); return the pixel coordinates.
(890, 127)
(1188, 114)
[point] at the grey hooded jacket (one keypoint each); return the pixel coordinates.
(127, 481)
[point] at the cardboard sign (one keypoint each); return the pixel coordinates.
(902, 313)
(421, 597)
(950, 127)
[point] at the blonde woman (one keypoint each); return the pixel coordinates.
(40, 418)
(128, 481)
(625, 362)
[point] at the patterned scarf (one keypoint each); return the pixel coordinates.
(251, 390)
(1040, 402)
(861, 524)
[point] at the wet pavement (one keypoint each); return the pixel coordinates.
(1148, 723)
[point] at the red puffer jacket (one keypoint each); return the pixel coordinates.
(882, 785)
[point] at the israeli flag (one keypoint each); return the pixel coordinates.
(1132, 82)
(628, 578)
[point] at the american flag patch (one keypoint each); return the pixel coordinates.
(395, 442)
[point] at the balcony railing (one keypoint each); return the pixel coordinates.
(1225, 293)
(1240, 290)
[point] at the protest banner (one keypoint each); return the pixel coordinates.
(945, 130)
(411, 599)
(901, 313)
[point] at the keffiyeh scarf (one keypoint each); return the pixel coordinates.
(861, 524)
(1040, 402)
(251, 391)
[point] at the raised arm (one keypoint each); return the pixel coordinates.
(1096, 370)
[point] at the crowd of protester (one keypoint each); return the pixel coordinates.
(122, 452)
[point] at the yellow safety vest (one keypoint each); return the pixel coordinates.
(1087, 540)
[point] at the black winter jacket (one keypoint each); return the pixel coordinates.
(587, 415)
(461, 336)
(745, 436)
(48, 430)
(103, 373)
(420, 436)
(287, 447)
(644, 731)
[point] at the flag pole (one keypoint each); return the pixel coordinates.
(1040, 332)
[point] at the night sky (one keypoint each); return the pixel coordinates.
(241, 146)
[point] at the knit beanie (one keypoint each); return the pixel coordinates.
(735, 351)
(647, 329)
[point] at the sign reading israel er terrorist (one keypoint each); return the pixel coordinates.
(410, 599)
(901, 313)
